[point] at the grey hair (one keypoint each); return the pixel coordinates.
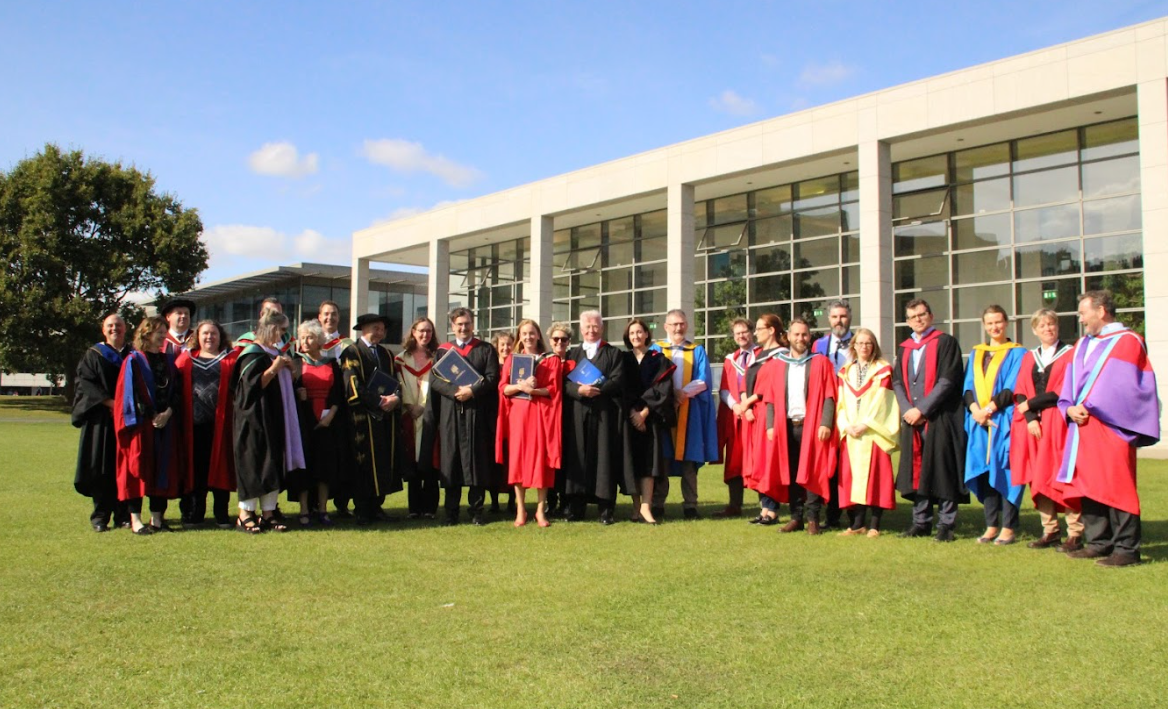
(678, 312)
(590, 315)
(266, 329)
(311, 326)
(1100, 299)
(839, 304)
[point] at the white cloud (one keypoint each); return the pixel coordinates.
(406, 212)
(282, 160)
(730, 102)
(408, 157)
(242, 246)
(833, 72)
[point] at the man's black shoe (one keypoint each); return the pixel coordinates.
(691, 513)
(917, 531)
(606, 518)
(478, 520)
(944, 533)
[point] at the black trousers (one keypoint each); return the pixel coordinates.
(105, 505)
(998, 508)
(157, 504)
(422, 493)
(832, 516)
(922, 513)
(858, 516)
(475, 496)
(735, 487)
(1109, 530)
(804, 503)
(193, 505)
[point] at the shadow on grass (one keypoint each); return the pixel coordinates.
(15, 404)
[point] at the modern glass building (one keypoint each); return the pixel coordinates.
(1021, 182)
(235, 302)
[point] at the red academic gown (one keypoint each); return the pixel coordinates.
(816, 458)
(753, 436)
(221, 473)
(1036, 462)
(151, 462)
(527, 437)
(730, 426)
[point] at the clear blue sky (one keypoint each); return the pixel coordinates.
(290, 125)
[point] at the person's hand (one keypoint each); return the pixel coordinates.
(738, 409)
(1035, 430)
(770, 434)
(1023, 407)
(389, 402)
(857, 430)
(978, 415)
(463, 394)
(824, 433)
(588, 390)
(163, 418)
(913, 416)
(1078, 414)
(991, 409)
(748, 415)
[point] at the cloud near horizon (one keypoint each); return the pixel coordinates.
(282, 159)
(730, 101)
(409, 157)
(234, 245)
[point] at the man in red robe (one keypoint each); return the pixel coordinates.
(802, 455)
(1110, 400)
(177, 313)
(730, 411)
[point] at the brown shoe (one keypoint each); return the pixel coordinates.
(1046, 541)
(1070, 545)
(794, 525)
(1119, 559)
(813, 527)
(1087, 553)
(728, 512)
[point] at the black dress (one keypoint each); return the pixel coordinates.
(258, 426)
(648, 383)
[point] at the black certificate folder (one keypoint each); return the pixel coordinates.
(382, 384)
(453, 367)
(522, 367)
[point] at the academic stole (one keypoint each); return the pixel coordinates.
(984, 378)
(687, 365)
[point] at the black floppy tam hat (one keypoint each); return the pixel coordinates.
(179, 303)
(369, 319)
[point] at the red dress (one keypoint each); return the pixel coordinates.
(527, 437)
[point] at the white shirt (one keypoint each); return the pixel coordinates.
(590, 348)
(796, 386)
(919, 352)
(1045, 354)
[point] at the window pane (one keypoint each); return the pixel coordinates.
(982, 266)
(991, 230)
(938, 301)
(817, 252)
(653, 224)
(618, 279)
(812, 312)
(700, 220)
(851, 216)
(769, 259)
(650, 275)
(614, 305)
(728, 264)
(933, 203)
(1047, 260)
(817, 222)
(722, 236)
(913, 175)
(585, 236)
(727, 294)
(561, 288)
(969, 334)
(729, 209)
(771, 231)
(927, 238)
(1116, 214)
(502, 295)
(820, 192)
(1047, 151)
(650, 301)
(979, 163)
(1059, 295)
(850, 282)
(1118, 176)
(970, 302)
(587, 283)
(1114, 253)
(618, 254)
(850, 248)
(1061, 185)
(1134, 320)
(768, 288)
(1047, 223)
(651, 249)
(851, 187)
(817, 284)
(984, 196)
(1128, 288)
(773, 201)
(699, 268)
(783, 310)
(1107, 139)
(927, 272)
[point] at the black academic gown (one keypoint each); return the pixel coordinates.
(647, 383)
(257, 425)
(373, 433)
(97, 378)
(595, 465)
(466, 430)
(942, 445)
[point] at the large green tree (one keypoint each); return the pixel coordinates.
(77, 237)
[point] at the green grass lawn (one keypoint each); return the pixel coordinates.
(702, 614)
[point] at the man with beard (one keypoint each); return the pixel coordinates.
(93, 404)
(834, 345)
(927, 378)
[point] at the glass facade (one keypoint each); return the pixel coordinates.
(616, 267)
(489, 281)
(1025, 224)
(787, 249)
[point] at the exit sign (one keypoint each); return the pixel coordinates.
(1049, 294)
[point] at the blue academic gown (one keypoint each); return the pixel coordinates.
(997, 440)
(699, 439)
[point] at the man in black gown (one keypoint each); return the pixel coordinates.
(373, 419)
(466, 419)
(93, 403)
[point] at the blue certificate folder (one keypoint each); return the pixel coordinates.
(522, 367)
(586, 373)
(453, 367)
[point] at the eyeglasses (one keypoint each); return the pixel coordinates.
(560, 339)
(918, 316)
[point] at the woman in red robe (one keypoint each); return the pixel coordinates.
(153, 457)
(768, 333)
(527, 438)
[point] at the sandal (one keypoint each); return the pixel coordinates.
(273, 524)
(249, 524)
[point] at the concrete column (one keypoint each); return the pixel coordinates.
(438, 287)
(538, 291)
(358, 291)
(876, 301)
(1152, 102)
(680, 248)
